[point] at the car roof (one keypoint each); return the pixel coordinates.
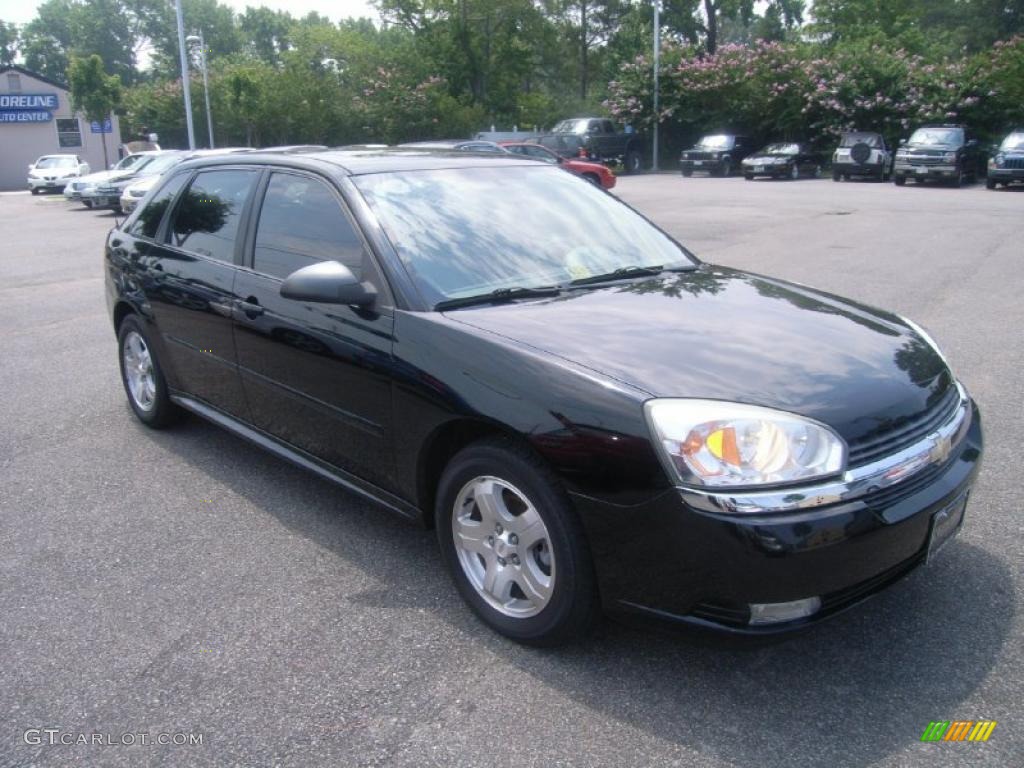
(358, 162)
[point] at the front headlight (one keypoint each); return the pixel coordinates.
(949, 157)
(998, 160)
(720, 444)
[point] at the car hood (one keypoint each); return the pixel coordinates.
(762, 156)
(725, 335)
(103, 176)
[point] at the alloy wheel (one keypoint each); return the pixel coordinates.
(503, 547)
(138, 371)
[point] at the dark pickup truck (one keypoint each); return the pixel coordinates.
(599, 141)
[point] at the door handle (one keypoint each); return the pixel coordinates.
(251, 307)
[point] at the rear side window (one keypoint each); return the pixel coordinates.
(207, 217)
(302, 223)
(148, 221)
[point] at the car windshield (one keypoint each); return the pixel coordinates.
(852, 139)
(466, 232)
(130, 161)
(1013, 141)
(781, 149)
(157, 164)
(570, 126)
(716, 142)
(56, 162)
(937, 136)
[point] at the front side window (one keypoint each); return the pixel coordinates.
(69, 133)
(464, 232)
(148, 221)
(302, 223)
(207, 217)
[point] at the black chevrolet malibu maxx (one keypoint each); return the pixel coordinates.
(588, 415)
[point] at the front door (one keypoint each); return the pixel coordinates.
(317, 376)
(191, 285)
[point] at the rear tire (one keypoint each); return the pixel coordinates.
(514, 545)
(142, 376)
(688, 173)
(748, 176)
(35, 190)
(899, 181)
(726, 170)
(837, 176)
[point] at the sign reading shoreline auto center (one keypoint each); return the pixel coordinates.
(34, 101)
(27, 107)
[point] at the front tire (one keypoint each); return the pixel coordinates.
(514, 545)
(991, 183)
(142, 376)
(633, 161)
(837, 176)
(899, 181)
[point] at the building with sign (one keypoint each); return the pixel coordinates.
(36, 119)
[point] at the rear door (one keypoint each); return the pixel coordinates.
(191, 275)
(317, 376)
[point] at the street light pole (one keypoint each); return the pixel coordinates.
(184, 76)
(657, 56)
(206, 83)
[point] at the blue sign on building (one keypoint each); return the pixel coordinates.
(34, 101)
(25, 116)
(95, 127)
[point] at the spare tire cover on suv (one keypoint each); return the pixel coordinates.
(860, 152)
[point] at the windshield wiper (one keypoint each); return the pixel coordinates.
(501, 294)
(623, 273)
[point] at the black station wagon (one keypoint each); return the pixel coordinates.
(590, 417)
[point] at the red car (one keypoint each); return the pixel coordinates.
(593, 172)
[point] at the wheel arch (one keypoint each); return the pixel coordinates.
(121, 310)
(441, 446)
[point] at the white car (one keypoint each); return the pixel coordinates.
(73, 191)
(54, 172)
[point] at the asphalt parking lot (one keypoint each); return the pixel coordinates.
(185, 582)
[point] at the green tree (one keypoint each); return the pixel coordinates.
(66, 28)
(93, 91)
(8, 43)
(266, 32)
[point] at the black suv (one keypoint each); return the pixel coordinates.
(946, 153)
(719, 154)
(1007, 164)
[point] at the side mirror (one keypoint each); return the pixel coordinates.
(327, 283)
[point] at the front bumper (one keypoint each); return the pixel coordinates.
(47, 183)
(910, 171)
(102, 198)
(775, 171)
(1006, 174)
(669, 559)
(711, 166)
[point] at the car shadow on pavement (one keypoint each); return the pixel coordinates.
(849, 692)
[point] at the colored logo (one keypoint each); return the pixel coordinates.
(958, 730)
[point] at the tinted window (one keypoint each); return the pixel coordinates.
(207, 217)
(301, 223)
(607, 127)
(148, 221)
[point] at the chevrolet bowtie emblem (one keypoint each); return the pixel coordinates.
(941, 450)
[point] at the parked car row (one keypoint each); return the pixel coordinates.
(947, 154)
